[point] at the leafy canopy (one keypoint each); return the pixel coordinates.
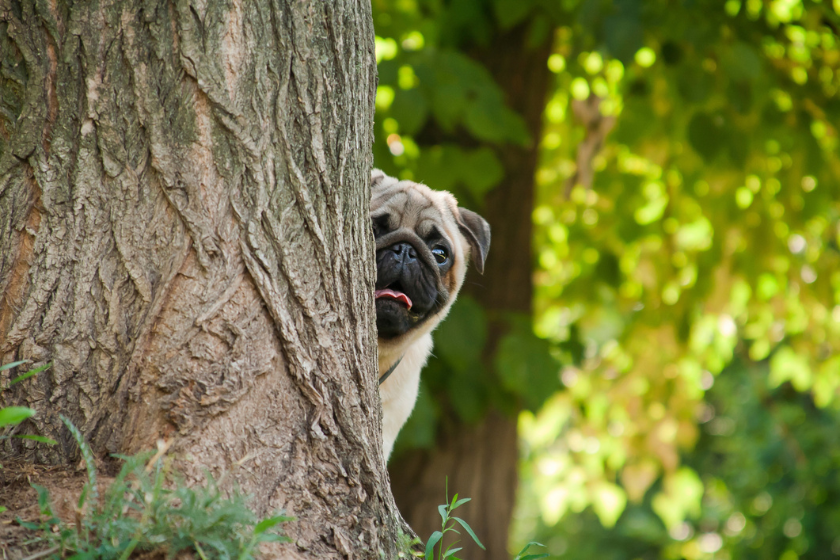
(688, 300)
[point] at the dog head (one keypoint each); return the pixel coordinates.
(423, 242)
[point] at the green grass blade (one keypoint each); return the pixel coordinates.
(129, 549)
(14, 415)
(43, 500)
(87, 455)
(28, 374)
(199, 550)
(270, 522)
(82, 497)
(13, 364)
(41, 439)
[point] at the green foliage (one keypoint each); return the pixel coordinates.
(704, 255)
(708, 236)
(523, 556)
(448, 525)
(14, 415)
(148, 507)
(762, 485)
(525, 364)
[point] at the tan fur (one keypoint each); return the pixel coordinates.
(418, 208)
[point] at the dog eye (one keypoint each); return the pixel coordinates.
(380, 225)
(440, 255)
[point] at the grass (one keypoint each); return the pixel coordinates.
(142, 510)
(149, 508)
(13, 415)
(450, 523)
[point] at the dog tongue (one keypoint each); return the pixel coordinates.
(399, 296)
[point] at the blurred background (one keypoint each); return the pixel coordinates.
(649, 367)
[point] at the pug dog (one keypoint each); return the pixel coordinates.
(423, 242)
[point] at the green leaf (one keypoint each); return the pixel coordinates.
(43, 499)
(87, 455)
(609, 501)
(460, 339)
(483, 119)
(682, 497)
(787, 365)
(28, 374)
(41, 439)
(410, 109)
(526, 366)
(270, 522)
(27, 524)
(523, 556)
(12, 364)
(452, 551)
(448, 104)
(459, 503)
(454, 499)
(83, 496)
(742, 63)
(430, 544)
(443, 513)
(469, 530)
(707, 135)
(511, 12)
(525, 549)
(623, 35)
(482, 171)
(12, 415)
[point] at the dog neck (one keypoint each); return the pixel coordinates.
(392, 350)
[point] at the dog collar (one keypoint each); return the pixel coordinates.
(390, 371)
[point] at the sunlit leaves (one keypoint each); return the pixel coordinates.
(786, 365)
(708, 237)
(704, 190)
(608, 502)
(680, 498)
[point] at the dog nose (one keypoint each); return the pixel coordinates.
(405, 252)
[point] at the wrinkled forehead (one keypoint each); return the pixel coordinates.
(416, 207)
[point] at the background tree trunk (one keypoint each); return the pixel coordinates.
(480, 461)
(184, 192)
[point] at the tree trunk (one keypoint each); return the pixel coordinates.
(184, 234)
(480, 461)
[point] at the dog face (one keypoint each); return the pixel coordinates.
(423, 242)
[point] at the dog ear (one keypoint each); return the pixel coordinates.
(376, 177)
(477, 231)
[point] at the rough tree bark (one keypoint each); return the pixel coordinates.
(480, 461)
(184, 234)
